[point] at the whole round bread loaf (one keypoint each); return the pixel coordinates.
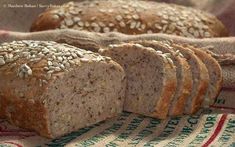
(131, 17)
(55, 89)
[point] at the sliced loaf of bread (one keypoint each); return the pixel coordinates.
(183, 74)
(151, 78)
(55, 89)
(200, 78)
(215, 75)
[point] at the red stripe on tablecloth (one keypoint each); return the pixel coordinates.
(217, 131)
(222, 107)
(13, 143)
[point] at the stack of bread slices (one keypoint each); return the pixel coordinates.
(166, 79)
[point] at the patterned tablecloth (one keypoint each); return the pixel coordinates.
(209, 127)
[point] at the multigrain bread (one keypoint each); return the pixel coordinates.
(151, 78)
(183, 74)
(215, 75)
(56, 88)
(200, 78)
(131, 17)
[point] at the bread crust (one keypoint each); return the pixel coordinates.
(197, 100)
(177, 107)
(169, 87)
(46, 22)
(131, 17)
(218, 71)
(27, 114)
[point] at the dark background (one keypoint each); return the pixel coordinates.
(20, 19)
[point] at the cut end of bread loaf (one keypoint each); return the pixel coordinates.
(55, 89)
(84, 96)
(151, 78)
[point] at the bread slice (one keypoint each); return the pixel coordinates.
(200, 79)
(183, 74)
(215, 75)
(55, 89)
(151, 78)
